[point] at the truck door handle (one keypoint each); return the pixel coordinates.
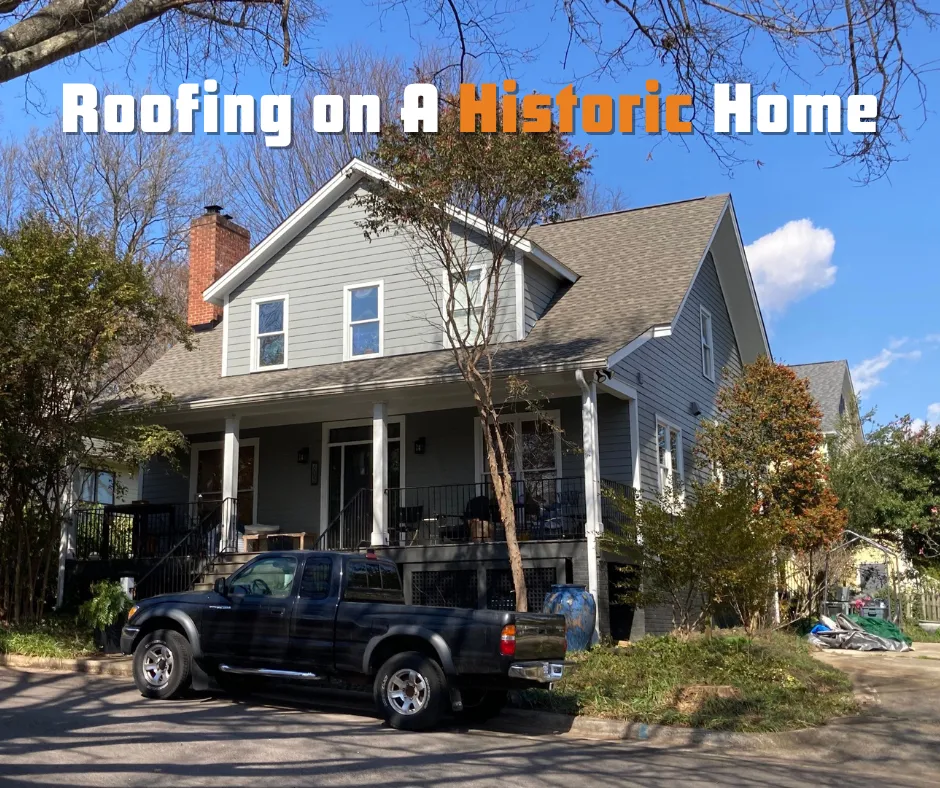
(274, 611)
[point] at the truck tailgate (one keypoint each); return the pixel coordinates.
(540, 636)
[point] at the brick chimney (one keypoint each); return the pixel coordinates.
(216, 244)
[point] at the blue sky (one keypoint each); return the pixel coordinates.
(856, 275)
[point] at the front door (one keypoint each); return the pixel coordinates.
(252, 626)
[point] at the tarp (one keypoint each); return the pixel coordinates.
(848, 634)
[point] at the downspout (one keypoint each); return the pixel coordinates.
(592, 486)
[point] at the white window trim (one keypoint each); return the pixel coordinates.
(254, 366)
(445, 292)
(325, 444)
(660, 421)
(709, 341)
(347, 316)
(480, 450)
(195, 448)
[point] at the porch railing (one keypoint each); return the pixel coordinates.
(545, 508)
(212, 533)
(138, 531)
(352, 527)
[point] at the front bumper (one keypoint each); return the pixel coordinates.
(128, 636)
(542, 671)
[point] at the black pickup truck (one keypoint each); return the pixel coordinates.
(309, 616)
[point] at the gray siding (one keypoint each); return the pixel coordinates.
(613, 417)
(539, 287)
(671, 370)
(162, 483)
(314, 269)
(285, 495)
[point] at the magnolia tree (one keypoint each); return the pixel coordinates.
(69, 313)
(464, 200)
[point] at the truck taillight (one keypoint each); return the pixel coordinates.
(507, 641)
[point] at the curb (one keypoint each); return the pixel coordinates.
(97, 666)
(600, 729)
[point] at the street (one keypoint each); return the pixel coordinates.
(67, 729)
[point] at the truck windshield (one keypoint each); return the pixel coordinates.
(372, 581)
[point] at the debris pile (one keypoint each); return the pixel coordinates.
(858, 634)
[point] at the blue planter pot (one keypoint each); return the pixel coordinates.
(577, 606)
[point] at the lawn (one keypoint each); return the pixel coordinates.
(722, 682)
(919, 635)
(54, 637)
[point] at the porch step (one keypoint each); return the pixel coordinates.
(203, 586)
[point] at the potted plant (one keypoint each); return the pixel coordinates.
(106, 612)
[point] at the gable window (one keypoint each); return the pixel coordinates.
(362, 330)
(468, 306)
(269, 330)
(669, 454)
(708, 351)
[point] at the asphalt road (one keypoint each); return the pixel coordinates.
(65, 729)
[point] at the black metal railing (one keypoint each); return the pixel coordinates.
(213, 533)
(351, 529)
(617, 508)
(139, 530)
(545, 508)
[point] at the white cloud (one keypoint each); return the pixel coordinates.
(933, 413)
(791, 263)
(866, 375)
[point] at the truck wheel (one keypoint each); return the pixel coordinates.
(410, 691)
(162, 664)
(482, 705)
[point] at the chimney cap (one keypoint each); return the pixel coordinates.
(213, 208)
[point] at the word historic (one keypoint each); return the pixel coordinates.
(85, 111)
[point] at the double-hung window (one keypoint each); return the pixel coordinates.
(362, 330)
(708, 348)
(469, 299)
(269, 330)
(97, 487)
(669, 453)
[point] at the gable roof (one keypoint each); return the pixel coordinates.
(826, 383)
(321, 200)
(634, 270)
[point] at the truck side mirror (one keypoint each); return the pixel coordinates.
(220, 587)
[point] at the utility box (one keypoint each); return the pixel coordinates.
(877, 608)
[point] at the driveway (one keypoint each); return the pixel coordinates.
(67, 729)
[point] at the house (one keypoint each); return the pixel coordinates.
(321, 400)
(830, 383)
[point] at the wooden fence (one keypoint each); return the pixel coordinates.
(922, 605)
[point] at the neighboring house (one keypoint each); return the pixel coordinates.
(830, 383)
(321, 399)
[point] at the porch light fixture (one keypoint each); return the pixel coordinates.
(419, 446)
(303, 456)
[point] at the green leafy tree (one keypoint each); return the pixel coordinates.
(509, 183)
(74, 321)
(768, 435)
(711, 551)
(890, 487)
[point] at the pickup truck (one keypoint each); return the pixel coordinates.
(311, 616)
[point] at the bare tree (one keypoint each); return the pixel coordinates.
(265, 185)
(594, 199)
(464, 201)
(35, 33)
(857, 46)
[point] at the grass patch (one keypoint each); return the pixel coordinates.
(55, 637)
(919, 635)
(726, 682)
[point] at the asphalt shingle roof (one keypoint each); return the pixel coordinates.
(635, 267)
(825, 384)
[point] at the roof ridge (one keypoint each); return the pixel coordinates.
(816, 363)
(632, 210)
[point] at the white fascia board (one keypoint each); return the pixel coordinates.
(283, 234)
(750, 280)
(618, 388)
(323, 199)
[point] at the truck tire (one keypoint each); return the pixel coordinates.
(410, 691)
(482, 705)
(163, 664)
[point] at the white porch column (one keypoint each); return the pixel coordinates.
(379, 472)
(230, 484)
(592, 480)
